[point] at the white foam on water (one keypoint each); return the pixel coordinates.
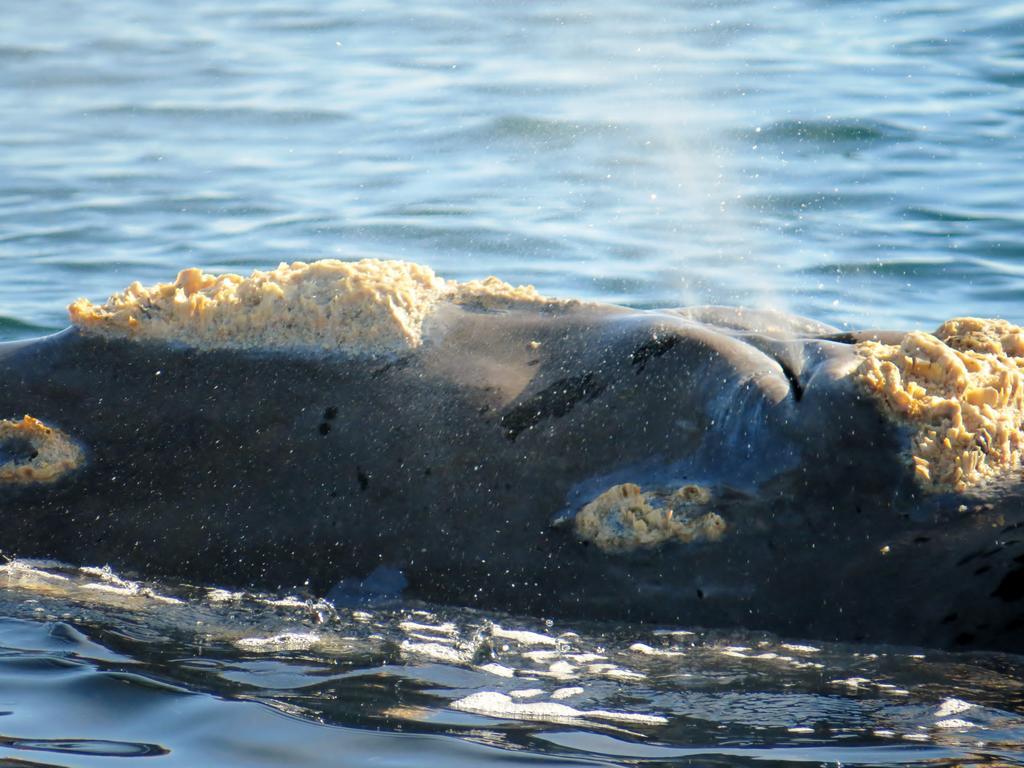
(286, 641)
(500, 705)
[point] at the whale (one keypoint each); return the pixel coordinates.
(336, 423)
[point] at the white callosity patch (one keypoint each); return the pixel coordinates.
(364, 307)
(45, 453)
(961, 391)
(625, 518)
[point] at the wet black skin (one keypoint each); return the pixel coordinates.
(461, 463)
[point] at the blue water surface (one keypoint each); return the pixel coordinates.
(857, 162)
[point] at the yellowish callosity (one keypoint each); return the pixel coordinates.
(625, 518)
(55, 453)
(492, 293)
(961, 391)
(368, 306)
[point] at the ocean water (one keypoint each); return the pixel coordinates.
(860, 163)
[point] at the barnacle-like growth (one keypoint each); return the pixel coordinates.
(625, 518)
(32, 452)
(363, 307)
(961, 391)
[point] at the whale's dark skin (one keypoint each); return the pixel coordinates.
(461, 462)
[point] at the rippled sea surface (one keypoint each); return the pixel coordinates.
(858, 162)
